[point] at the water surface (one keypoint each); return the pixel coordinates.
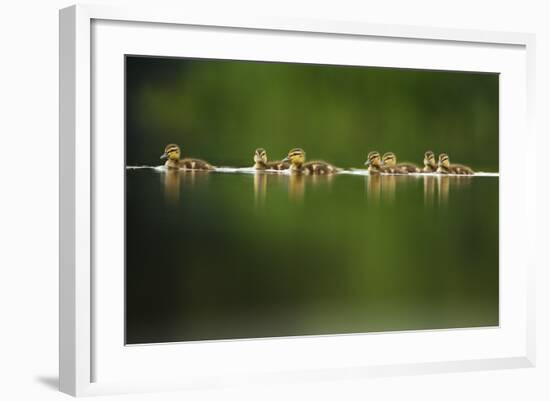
(231, 255)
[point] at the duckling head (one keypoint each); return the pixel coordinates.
(171, 152)
(429, 160)
(389, 159)
(373, 160)
(260, 156)
(444, 160)
(296, 157)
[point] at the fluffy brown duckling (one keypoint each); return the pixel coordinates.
(172, 154)
(374, 163)
(445, 167)
(297, 159)
(261, 162)
(430, 165)
(389, 161)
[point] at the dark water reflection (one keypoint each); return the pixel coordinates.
(218, 256)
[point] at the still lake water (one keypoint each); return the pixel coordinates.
(232, 255)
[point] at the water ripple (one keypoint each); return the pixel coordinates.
(362, 172)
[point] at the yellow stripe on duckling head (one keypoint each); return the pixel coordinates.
(389, 159)
(171, 152)
(429, 159)
(444, 160)
(373, 159)
(260, 155)
(296, 156)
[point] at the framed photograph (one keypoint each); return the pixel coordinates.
(272, 200)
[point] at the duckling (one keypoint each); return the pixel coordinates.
(261, 163)
(374, 163)
(172, 155)
(297, 158)
(444, 167)
(389, 160)
(430, 165)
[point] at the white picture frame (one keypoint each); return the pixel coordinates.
(86, 351)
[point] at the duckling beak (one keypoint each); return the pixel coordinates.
(286, 159)
(367, 163)
(164, 156)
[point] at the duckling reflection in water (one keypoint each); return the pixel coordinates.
(445, 167)
(261, 162)
(260, 188)
(373, 187)
(443, 184)
(389, 161)
(382, 186)
(298, 165)
(296, 187)
(429, 189)
(172, 185)
(430, 165)
(388, 187)
(174, 181)
(172, 154)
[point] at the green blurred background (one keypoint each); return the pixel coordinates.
(222, 110)
(221, 255)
